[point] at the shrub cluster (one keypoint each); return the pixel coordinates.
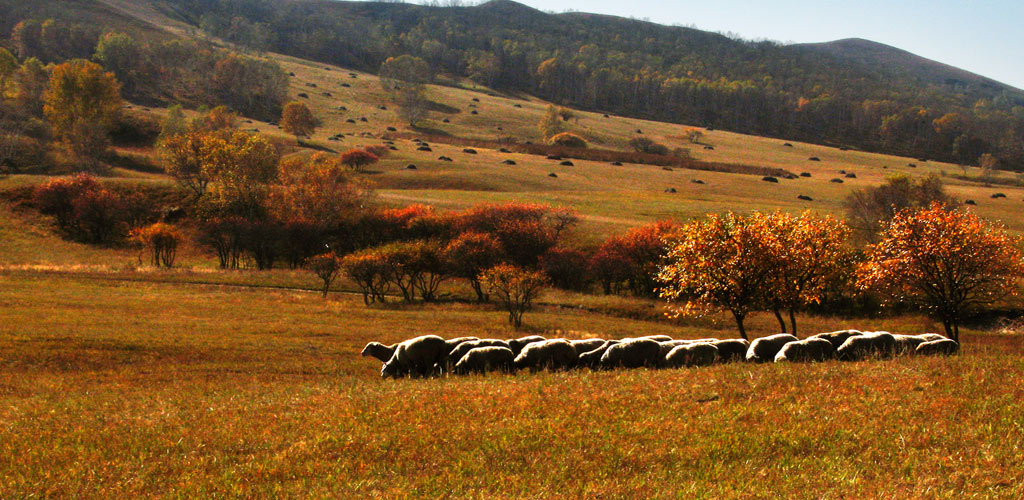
(90, 213)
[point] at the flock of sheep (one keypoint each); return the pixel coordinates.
(431, 355)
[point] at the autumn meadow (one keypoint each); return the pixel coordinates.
(206, 217)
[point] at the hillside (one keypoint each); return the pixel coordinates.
(897, 64)
(848, 92)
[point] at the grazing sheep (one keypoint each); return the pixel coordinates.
(656, 338)
(417, 356)
(907, 344)
(517, 345)
(858, 347)
(380, 351)
(451, 344)
(699, 354)
(928, 337)
(460, 350)
(484, 359)
(592, 358)
(764, 349)
(837, 338)
(944, 347)
(806, 350)
(667, 346)
(586, 345)
(633, 353)
(556, 354)
(731, 349)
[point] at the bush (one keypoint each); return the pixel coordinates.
(371, 271)
(648, 146)
(84, 210)
(326, 266)
(225, 236)
(470, 254)
(568, 268)
(568, 140)
(515, 288)
(161, 240)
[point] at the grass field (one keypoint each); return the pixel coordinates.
(114, 389)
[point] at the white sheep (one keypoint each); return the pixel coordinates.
(592, 358)
(907, 344)
(811, 349)
(380, 351)
(695, 354)
(418, 356)
(764, 349)
(837, 338)
(667, 346)
(586, 345)
(517, 345)
(555, 354)
(633, 353)
(858, 347)
(731, 349)
(946, 347)
(484, 359)
(460, 350)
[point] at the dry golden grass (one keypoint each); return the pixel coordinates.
(113, 389)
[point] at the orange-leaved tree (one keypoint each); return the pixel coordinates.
(947, 261)
(161, 240)
(515, 287)
(721, 262)
(470, 254)
(809, 258)
(358, 158)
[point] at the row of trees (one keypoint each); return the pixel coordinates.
(946, 261)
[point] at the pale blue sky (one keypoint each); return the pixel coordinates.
(981, 36)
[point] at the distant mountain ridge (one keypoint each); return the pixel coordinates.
(897, 61)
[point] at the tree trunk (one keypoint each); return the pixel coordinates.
(739, 324)
(778, 316)
(792, 321)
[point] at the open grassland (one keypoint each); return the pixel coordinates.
(114, 389)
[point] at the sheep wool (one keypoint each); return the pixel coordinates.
(633, 353)
(555, 354)
(764, 349)
(484, 359)
(731, 349)
(698, 354)
(417, 356)
(807, 350)
(946, 347)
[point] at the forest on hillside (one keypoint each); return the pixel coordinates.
(651, 71)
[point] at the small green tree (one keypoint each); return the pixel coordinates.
(515, 287)
(82, 104)
(298, 120)
(405, 78)
(551, 124)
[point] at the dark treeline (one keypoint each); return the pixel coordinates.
(847, 93)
